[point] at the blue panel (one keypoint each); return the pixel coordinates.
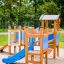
(45, 42)
(17, 35)
(50, 36)
(31, 41)
(57, 38)
(23, 36)
(17, 56)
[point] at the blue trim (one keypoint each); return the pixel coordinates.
(31, 42)
(45, 42)
(16, 56)
(23, 36)
(17, 35)
(57, 38)
(50, 36)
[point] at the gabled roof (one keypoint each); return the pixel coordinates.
(49, 17)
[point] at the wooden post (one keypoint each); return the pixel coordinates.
(32, 29)
(46, 57)
(26, 45)
(9, 39)
(55, 31)
(14, 49)
(47, 29)
(58, 25)
(15, 32)
(42, 23)
(41, 48)
(15, 38)
(19, 28)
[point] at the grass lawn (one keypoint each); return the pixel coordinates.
(4, 40)
(61, 40)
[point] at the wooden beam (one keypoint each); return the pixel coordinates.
(15, 33)
(14, 49)
(9, 49)
(41, 48)
(26, 45)
(9, 39)
(55, 31)
(47, 29)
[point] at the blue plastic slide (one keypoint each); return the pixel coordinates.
(17, 56)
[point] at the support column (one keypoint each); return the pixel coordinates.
(55, 31)
(32, 30)
(47, 29)
(19, 28)
(46, 57)
(15, 38)
(41, 45)
(58, 25)
(14, 49)
(9, 39)
(26, 45)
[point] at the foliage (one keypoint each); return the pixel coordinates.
(48, 8)
(3, 40)
(28, 11)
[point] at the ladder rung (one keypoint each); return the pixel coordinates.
(31, 61)
(19, 63)
(33, 53)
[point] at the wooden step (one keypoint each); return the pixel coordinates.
(34, 52)
(32, 61)
(50, 41)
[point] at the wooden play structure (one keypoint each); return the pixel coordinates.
(43, 39)
(53, 37)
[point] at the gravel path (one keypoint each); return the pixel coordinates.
(58, 60)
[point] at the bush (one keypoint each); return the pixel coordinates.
(3, 30)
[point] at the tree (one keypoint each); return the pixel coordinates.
(48, 8)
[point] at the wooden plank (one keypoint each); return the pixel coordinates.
(14, 49)
(55, 31)
(26, 45)
(46, 57)
(9, 49)
(33, 61)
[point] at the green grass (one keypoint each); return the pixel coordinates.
(3, 40)
(61, 44)
(61, 37)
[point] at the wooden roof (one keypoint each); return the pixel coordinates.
(49, 17)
